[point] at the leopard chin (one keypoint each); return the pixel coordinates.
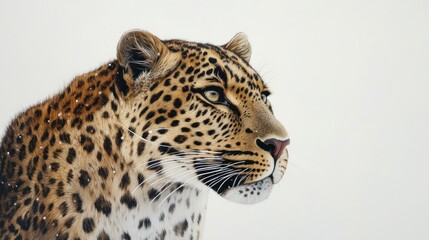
(250, 193)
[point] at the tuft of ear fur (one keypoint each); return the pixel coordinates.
(145, 55)
(240, 45)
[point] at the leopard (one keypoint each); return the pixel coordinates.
(132, 149)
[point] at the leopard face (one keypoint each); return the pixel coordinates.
(203, 115)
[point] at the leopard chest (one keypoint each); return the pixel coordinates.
(175, 213)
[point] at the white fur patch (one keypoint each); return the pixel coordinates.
(251, 193)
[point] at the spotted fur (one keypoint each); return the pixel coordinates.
(130, 150)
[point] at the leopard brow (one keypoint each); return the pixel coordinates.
(213, 79)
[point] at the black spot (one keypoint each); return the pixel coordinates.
(24, 222)
(57, 153)
(31, 168)
(84, 178)
(128, 200)
(172, 113)
(185, 129)
(64, 208)
(153, 86)
(160, 119)
(103, 172)
(88, 225)
(45, 191)
(162, 131)
(26, 190)
(145, 222)
(189, 70)
(102, 205)
(65, 138)
(195, 124)
(150, 115)
(177, 103)
(199, 218)
(90, 129)
(167, 98)
(140, 148)
(22, 152)
(180, 228)
(180, 138)
(107, 145)
(118, 138)
(52, 140)
(172, 208)
(77, 122)
(140, 180)
(55, 166)
(37, 113)
(125, 181)
(168, 81)
(78, 109)
(99, 156)
(80, 84)
(155, 96)
(59, 123)
(175, 123)
(42, 226)
(248, 130)
(32, 144)
(87, 143)
(114, 106)
(212, 60)
(153, 193)
(69, 222)
(45, 136)
(154, 165)
(60, 189)
(69, 176)
(77, 200)
(125, 236)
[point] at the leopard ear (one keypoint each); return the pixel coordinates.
(145, 55)
(240, 46)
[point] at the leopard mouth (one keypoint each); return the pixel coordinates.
(233, 183)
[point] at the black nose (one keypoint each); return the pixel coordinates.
(274, 146)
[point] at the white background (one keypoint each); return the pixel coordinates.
(350, 82)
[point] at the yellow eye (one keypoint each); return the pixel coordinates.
(212, 95)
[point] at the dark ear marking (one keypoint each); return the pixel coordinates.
(136, 62)
(145, 55)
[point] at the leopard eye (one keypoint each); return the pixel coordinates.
(212, 95)
(264, 98)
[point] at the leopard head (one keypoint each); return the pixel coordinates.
(200, 115)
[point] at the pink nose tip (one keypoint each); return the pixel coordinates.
(274, 146)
